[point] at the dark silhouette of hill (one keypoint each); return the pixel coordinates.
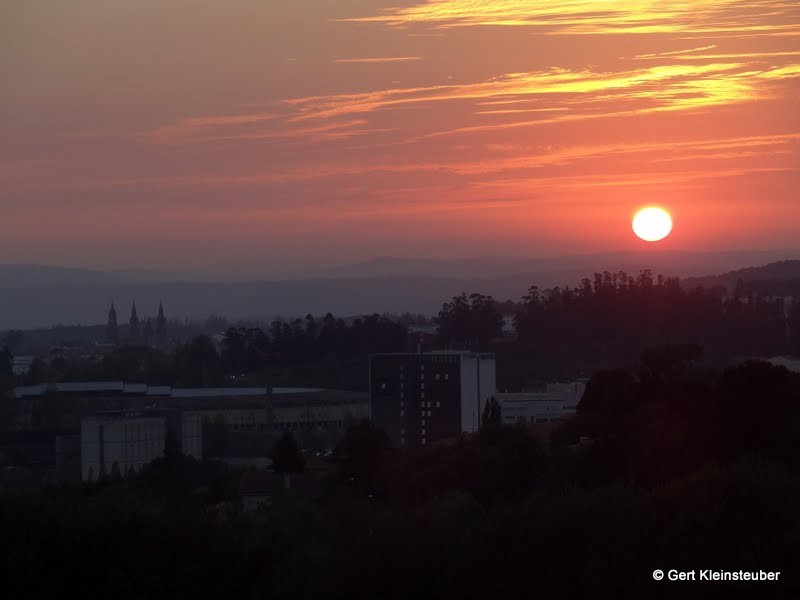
(778, 278)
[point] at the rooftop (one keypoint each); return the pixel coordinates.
(142, 389)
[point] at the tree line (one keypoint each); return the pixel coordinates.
(605, 320)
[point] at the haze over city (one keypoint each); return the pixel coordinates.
(273, 136)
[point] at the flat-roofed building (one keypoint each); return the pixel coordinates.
(120, 442)
(557, 401)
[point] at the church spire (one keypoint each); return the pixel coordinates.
(111, 326)
(134, 322)
(161, 321)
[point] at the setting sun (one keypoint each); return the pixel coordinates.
(652, 224)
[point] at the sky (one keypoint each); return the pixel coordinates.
(286, 133)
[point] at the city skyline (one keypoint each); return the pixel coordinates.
(182, 135)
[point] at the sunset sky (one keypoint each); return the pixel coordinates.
(288, 133)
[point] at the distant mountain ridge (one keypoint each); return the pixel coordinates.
(778, 278)
(35, 296)
(37, 276)
(673, 263)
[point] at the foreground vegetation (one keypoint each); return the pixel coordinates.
(675, 467)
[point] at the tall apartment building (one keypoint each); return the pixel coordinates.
(420, 398)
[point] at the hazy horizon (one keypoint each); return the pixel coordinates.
(685, 261)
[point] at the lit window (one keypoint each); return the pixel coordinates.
(422, 385)
(446, 376)
(402, 413)
(423, 431)
(422, 394)
(423, 441)
(383, 386)
(437, 377)
(438, 405)
(423, 422)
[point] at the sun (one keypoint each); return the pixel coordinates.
(652, 224)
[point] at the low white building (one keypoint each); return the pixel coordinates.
(793, 364)
(192, 435)
(559, 400)
(21, 365)
(128, 441)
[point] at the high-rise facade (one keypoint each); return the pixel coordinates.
(420, 398)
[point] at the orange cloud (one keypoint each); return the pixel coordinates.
(596, 17)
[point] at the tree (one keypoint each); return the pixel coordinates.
(172, 447)
(471, 321)
(14, 340)
(198, 363)
(287, 457)
(491, 413)
(6, 361)
(216, 437)
(361, 454)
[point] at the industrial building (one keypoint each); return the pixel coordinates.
(236, 425)
(556, 402)
(120, 443)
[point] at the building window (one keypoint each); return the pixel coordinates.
(423, 422)
(402, 441)
(402, 413)
(422, 385)
(437, 377)
(423, 441)
(438, 404)
(423, 431)
(422, 394)
(446, 376)
(383, 385)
